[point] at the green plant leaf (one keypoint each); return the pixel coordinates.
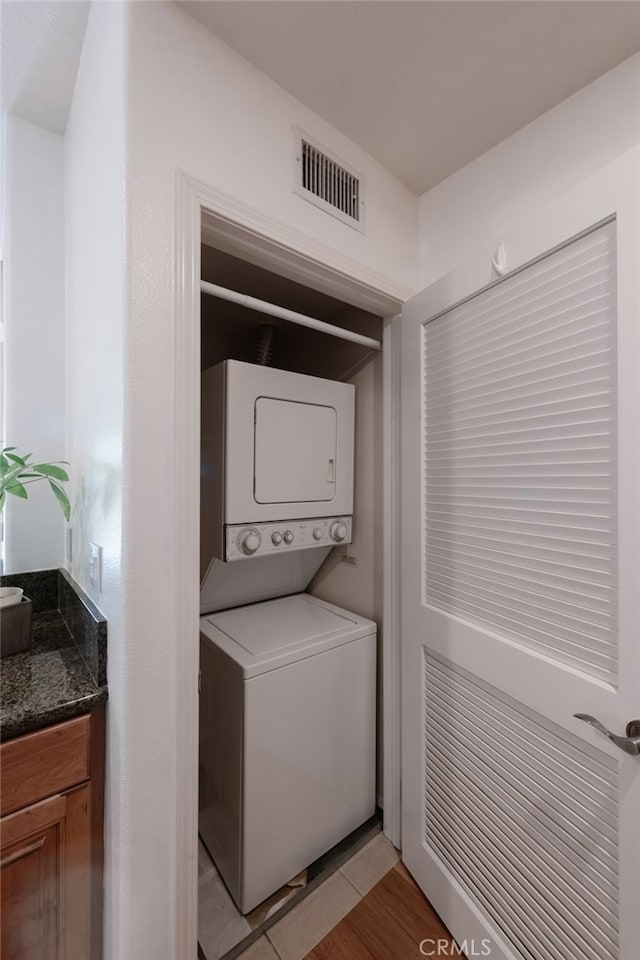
(16, 488)
(17, 472)
(49, 470)
(62, 498)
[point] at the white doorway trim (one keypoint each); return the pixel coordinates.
(391, 702)
(242, 231)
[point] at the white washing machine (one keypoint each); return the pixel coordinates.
(287, 737)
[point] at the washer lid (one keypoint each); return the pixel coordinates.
(267, 635)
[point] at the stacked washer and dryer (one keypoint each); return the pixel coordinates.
(287, 703)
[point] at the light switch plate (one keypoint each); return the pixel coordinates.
(95, 566)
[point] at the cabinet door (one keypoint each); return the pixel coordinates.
(31, 882)
(44, 880)
(295, 452)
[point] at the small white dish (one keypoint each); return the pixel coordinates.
(10, 595)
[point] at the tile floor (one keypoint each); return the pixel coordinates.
(298, 932)
(220, 925)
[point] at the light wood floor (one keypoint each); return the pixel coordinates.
(388, 924)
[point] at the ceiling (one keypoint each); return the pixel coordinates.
(41, 48)
(425, 87)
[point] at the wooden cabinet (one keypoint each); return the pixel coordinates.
(51, 842)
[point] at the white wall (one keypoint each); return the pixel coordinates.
(34, 335)
(199, 106)
(191, 104)
(95, 210)
(360, 587)
(502, 188)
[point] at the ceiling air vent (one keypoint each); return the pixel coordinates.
(328, 182)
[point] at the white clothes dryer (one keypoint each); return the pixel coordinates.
(287, 738)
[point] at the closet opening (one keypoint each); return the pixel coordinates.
(345, 581)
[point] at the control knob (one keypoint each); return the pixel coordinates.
(338, 530)
(249, 541)
(288, 536)
(276, 538)
(317, 534)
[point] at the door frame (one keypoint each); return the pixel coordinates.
(245, 232)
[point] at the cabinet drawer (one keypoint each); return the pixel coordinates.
(43, 763)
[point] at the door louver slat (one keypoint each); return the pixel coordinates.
(523, 285)
(513, 837)
(524, 814)
(580, 376)
(520, 453)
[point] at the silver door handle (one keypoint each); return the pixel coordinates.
(630, 743)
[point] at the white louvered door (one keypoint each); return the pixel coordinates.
(520, 484)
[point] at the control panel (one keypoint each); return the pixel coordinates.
(263, 539)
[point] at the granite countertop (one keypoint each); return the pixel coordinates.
(63, 675)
